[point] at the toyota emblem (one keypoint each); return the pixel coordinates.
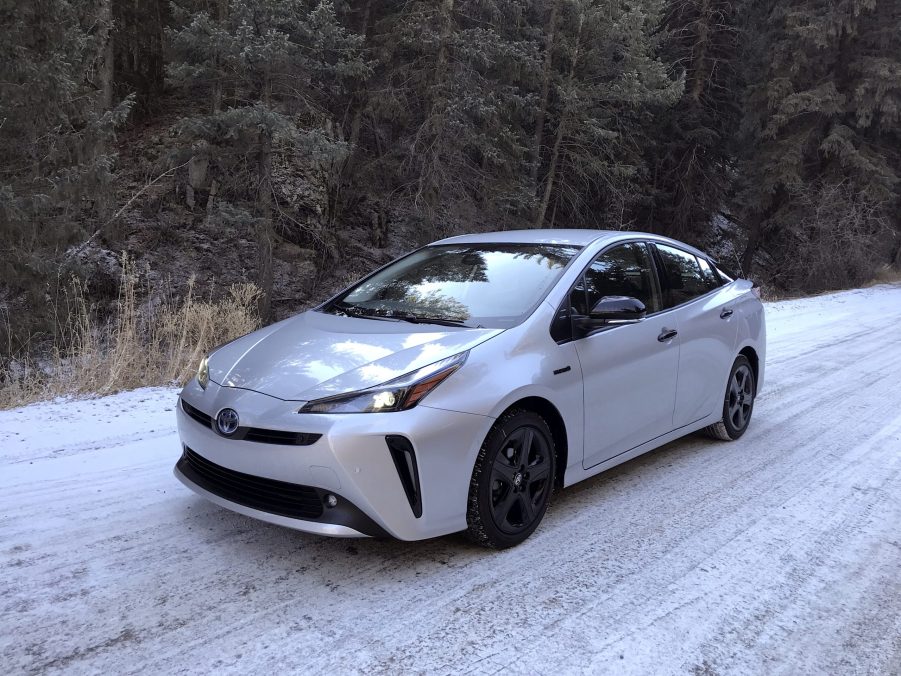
(227, 421)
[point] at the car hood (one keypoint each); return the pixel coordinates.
(315, 354)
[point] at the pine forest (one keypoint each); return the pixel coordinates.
(201, 148)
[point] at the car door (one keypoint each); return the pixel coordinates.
(701, 306)
(628, 371)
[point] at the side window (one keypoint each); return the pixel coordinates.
(626, 270)
(710, 277)
(683, 275)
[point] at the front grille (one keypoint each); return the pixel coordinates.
(197, 414)
(267, 495)
(257, 434)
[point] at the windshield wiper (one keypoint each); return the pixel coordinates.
(390, 316)
(360, 312)
(441, 321)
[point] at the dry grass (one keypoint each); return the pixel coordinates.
(151, 343)
(887, 274)
(770, 294)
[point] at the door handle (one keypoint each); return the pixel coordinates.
(726, 313)
(667, 334)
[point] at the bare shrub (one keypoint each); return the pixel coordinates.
(154, 342)
(840, 239)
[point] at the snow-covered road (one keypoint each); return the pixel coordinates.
(776, 554)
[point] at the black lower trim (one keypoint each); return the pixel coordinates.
(197, 414)
(275, 497)
(405, 462)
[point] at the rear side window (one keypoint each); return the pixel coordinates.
(724, 277)
(709, 275)
(684, 277)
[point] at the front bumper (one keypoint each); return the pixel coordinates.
(274, 501)
(351, 460)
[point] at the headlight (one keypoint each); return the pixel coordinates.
(203, 373)
(399, 394)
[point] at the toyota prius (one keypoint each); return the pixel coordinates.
(456, 388)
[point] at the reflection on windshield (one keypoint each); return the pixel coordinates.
(491, 285)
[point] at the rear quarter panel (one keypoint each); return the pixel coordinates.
(752, 327)
(707, 349)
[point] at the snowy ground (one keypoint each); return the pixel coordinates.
(777, 554)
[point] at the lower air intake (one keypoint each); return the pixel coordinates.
(267, 495)
(405, 462)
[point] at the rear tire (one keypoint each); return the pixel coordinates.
(512, 480)
(738, 405)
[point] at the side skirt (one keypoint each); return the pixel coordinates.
(575, 473)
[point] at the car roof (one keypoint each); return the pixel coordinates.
(574, 236)
(539, 236)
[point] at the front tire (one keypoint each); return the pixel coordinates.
(512, 480)
(738, 404)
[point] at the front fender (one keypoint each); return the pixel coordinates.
(516, 365)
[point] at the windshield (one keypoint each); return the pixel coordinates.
(488, 285)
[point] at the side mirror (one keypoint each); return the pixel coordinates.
(618, 310)
(610, 311)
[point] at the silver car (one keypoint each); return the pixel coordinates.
(457, 387)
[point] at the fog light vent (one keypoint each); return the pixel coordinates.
(405, 461)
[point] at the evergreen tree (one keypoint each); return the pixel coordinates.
(457, 106)
(690, 156)
(275, 72)
(604, 80)
(137, 50)
(57, 125)
(820, 172)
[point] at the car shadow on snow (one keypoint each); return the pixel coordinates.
(278, 552)
(643, 468)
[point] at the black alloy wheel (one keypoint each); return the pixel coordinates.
(738, 405)
(512, 481)
(740, 399)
